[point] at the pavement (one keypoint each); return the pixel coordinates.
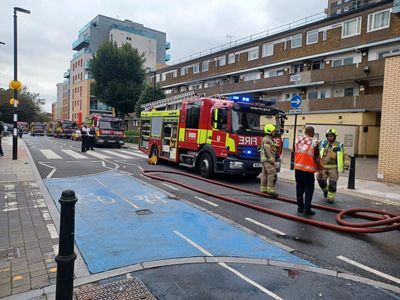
(29, 227)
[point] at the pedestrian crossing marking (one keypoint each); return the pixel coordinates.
(50, 154)
(135, 154)
(75, 154)
(98, 155)
(116, 154)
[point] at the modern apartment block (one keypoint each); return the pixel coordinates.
(337, 7)
(336, 64)
(148, 41)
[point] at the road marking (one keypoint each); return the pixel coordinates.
(141, 169)
(135, 154)
(122, 197)
(51, 172)
(50, 154)
(265, 226)
(75, 154)
(52, 230)
(170, 186)
(224, 265)
(376, 272)
(116, 154)
(206, 201)
(98, 155)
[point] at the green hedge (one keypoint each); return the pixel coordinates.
(134, 139)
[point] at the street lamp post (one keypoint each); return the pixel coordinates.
(15, 140)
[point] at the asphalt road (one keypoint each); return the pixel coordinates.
(59, 158)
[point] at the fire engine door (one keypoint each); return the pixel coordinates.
(220, 126)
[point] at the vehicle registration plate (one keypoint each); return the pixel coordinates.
(257, 165)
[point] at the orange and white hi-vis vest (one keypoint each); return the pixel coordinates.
(305, 154)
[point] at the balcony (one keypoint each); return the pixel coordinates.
(167, 46)
(80, 43)
(87, 65)
(82, 51)
(67, 74)
(167, 57)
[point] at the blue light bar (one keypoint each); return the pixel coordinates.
(240, 98)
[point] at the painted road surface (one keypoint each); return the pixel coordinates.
(113, 228)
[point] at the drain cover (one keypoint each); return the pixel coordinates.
(7, 254)
(142, 212)
(132, 288)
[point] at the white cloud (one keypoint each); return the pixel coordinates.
(45, 36)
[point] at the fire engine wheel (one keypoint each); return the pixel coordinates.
(205, 166)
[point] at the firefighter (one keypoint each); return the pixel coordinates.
(268, 154)
(334, 160)
(84, 132)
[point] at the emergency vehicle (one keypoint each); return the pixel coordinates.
(210, 135)
(109, 130)
(37, 128)
(65, 128)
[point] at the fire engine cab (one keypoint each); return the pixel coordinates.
(109, 130)
(210, 135)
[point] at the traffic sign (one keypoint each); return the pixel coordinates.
(295, 102)
(295, 111)
(15, 85)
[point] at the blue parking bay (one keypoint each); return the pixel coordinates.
(121, 221)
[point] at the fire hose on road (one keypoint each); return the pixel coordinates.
(379, 222)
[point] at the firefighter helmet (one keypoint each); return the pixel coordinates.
(331, 131)
(269, 128)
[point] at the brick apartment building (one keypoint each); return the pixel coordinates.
(335, 63)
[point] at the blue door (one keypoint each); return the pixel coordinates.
(285, 143)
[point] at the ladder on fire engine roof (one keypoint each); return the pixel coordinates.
(166, 103)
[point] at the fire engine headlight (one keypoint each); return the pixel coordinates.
(236, 165)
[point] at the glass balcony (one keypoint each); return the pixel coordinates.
(80, 52)
(80, 43)
(167, 46)
(167, 57)
(67, 74)
(87, 65)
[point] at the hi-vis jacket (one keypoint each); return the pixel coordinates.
(337, 158)
(305, 156)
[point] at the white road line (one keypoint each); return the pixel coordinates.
(364, 267)
(123, 198)
(74, 154)
(141, 169)
(98, 155)
(50, 154)
(103, 163)
(51, 172)
(135, 154)
(224, 265)
(116, 154)
(170, 186)
(265, 226)
(206, 201)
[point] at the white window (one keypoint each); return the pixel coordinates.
(204, 65)
(351, 27)
(296, 41)
(324, 35)
(273, 73)
(387, 53)
(378, 20)
(163, 76)
(184, 71)
(174, 73)
(157, 77)
(221, 61)
(196, 68)
(348, 61)
(252, 54)
(312, 37)
(231, 58)
(343, 62)
(268, 49)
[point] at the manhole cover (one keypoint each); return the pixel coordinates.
(7, 254)
(132, 288)
(142, 212)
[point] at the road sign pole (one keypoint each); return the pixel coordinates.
(294, 143)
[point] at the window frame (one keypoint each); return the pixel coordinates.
(256, 51)
(358, 27)
(312, 32)
(371, 20)
(203, 64)
(295, 37)
(265, 46)
(196, 68)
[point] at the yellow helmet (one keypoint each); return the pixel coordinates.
(269, 128)
(331, 131)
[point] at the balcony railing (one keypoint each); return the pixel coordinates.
(80, 43)
(67, 74)
(82, 51)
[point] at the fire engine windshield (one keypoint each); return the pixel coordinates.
(246, 123)
(68, 125)
(110, 125)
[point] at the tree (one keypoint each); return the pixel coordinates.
(29, 106)
(147, 96)
(119, 76)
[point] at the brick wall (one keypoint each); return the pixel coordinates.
(389, 155)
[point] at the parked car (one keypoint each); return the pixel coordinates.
(76, 135)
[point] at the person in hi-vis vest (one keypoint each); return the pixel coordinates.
(334, 160)
(268, 152)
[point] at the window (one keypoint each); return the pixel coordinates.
(298, 68)
(337, 63)
(196, 68)
(313, 95)
(343, 62)
(274, 73)
(193, 115)
(324, 35)
(251, 76)
(296, 41)
(378, 20)
(253, 54)
(351, 27)
(204, 65)
(349, 91)
(220, 118)
(268, 49)
(317, 65)
(221, 61)
(387, 53)
(348, 61)
(323, 94)
(312, 37)
(231, 58)
(184, 71)
(163, 76)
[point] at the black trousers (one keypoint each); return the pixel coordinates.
(304, 186)
(85, 143)
(1, 149)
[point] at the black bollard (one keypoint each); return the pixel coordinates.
(352, 174)
(66, 255)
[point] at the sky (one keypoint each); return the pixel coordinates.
(45, 36)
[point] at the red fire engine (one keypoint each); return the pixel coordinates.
(211, 135)
(109, 130)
